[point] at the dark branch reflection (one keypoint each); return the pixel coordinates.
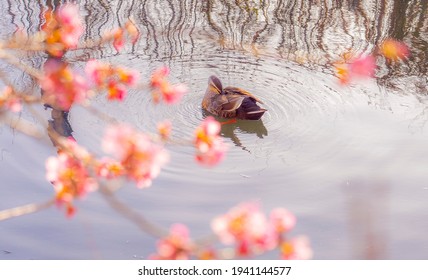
(318, 30)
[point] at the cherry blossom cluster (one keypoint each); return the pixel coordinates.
(164, 129)
(62, 85)
(69, 174)
(120, 35)
(176, 246)
(365, 65)
(394, 50)
(251, 232)
(114, 79)
(162, 90)
(62, 29)
(137, 155)
(245, 228)
(74, 171)
(209, 145)
(360, 67)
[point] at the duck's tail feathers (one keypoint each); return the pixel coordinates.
(255, 115)
(249, 110)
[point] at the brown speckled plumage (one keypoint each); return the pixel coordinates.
(231, 102)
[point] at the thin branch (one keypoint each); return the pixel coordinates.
(101, 115)
(18, 64)
(138, 219)
(21, 125)
(25, 209)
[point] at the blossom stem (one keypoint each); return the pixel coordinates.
(205, 241)
(103, 116)
(132, 215)
(25, 209)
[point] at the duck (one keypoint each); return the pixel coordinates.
(231, 102)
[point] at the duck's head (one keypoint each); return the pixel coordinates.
(215, 84)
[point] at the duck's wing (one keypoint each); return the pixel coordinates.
(227, 102)
(238, 91)
(233, 102)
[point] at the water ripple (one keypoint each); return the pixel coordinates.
(294, 96)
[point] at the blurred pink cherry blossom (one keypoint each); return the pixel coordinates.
(282, 220)
(248, 229)
(109, 168)
(163, 90)
(363, 66)
(62, 29)
(118, 39)
(245, 226)
(114, 79)
(71, 24)
(176, 246)
(62, 86)
(209, 145)
(394, 50)
(133, 31)
(140, 157)
(9, 100)
(360, 67)
(297, 248)
(121, 35)
(69, 174)
(164, 129)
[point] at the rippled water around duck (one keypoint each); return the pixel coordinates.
(351, 162)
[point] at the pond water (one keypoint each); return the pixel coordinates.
(351, 162)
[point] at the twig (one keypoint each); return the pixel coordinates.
(18, 64)
(25, 209)
(138, 219)
(101, 115)
(21, 125)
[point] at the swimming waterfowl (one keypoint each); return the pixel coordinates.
(231, 102)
